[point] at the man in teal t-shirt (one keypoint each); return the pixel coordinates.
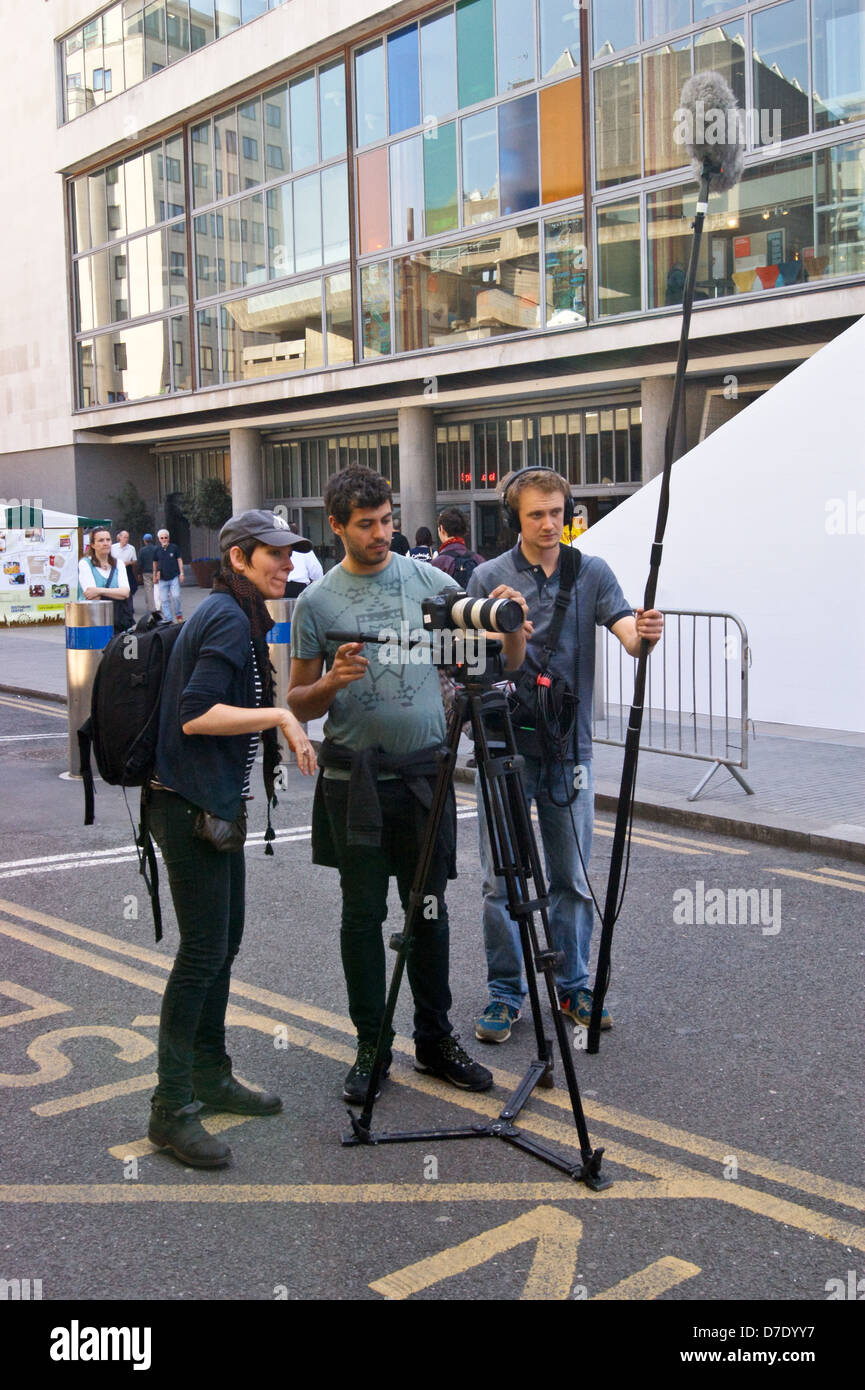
(385, 723)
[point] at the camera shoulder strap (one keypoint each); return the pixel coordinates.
(569, 567)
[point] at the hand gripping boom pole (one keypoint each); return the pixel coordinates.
(635, 720)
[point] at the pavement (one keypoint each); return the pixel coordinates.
(808, 784)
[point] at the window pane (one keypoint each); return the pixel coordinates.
(307, 222)
(174, 244)
(73, 66)
(177, 29)
(338, 318)
(561, 140)
(227, 16)
(403, 89)
(331, 101)
(225, 154)
(566, 261)
(780, 72)
(154, 38)
(136, 210)
(480, 168)
(208, 348)
(375, 309)
(86, 372)
(249, 143)
(201, 26)
(112, 49)
(334, 204)
(838, 47)
(272, 334)
(180, 355)
(840, 246)
(202, 172)
(276, 147)
(468, 292)
(373, 203)
(515, 43)
(304, 136)
(518, 154)
(661, 16)
(132, 363)
(252, 9)
(664, 73)
(115, 201)
(560, 36)
(369, 89)
(758, 236)
(280, 231)
(82, 275)
(618, 243)
(93, 63)
(80, 215)
(476, 80)
(721, 50)
(252, 232)
(439, 64)
(614, 25)
(406, 191)
(617, 123)
(139, 291)
(440, 178)
(133, 48)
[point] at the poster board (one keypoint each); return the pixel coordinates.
(39, 554)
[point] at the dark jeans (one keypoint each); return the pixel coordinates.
(364, 873)
(207, 889)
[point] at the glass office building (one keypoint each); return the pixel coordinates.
(445, 243)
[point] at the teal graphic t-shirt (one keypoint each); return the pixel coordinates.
(397, 705)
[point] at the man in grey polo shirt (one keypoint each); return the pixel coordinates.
(537, 498)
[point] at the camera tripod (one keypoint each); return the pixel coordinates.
(515, 857)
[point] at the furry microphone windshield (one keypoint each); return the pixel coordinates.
(710, 126)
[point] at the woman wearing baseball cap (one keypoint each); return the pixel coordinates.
(217, 700)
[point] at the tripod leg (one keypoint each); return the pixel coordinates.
(361, 1125)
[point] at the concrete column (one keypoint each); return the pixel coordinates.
(247, 480)
(417, 469)
(656, 399)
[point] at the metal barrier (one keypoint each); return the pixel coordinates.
(89, 629)
(696, 703)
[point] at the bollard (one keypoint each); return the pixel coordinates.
(281, 609)
(89, 629)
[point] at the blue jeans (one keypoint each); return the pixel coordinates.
(169, 598)
(571, 909)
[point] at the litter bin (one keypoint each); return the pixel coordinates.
(89, 629)
(281, 609)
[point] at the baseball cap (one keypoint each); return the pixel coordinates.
(147, 536)
(263, 526)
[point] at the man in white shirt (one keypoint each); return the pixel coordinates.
(304, 570)
(122, 550)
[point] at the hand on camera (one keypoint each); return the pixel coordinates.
(505, 591)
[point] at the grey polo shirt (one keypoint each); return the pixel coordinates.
(599, 601)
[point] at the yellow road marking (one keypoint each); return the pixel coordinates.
(652, 1281)
(52, 1063)
(811, 1183)
(551, 1276)
(679, 839)
(41, 1006)
(25, 703)
(81, 1099)
(655, 839)
(840, 873)
(140, 1148)
(819, 878)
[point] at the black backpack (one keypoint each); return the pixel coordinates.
(464, 568)
(124, 725)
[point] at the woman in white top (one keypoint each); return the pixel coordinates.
(101, 577)
(305, 569)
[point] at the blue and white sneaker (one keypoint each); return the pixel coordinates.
(494, 1024)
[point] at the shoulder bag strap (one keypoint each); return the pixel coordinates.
(569, 561)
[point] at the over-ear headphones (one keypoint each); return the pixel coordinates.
(512, 517)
